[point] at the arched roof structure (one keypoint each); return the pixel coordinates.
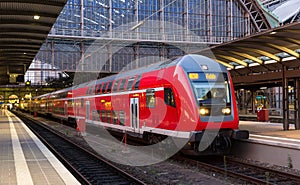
(260, 57)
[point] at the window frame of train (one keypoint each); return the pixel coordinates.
(122, 84)
(150, 95)
(137, 82)
(109, 87)
(115, 118)
(103, 88)
(97, 86)
(115, 87)
(168, 99)
(122, 118)
(103, 116)
(130, 83)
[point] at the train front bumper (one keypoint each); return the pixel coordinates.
(213, 142)
(232, 134)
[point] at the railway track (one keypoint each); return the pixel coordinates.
(244, 171)
(228, 167)
(87, 167)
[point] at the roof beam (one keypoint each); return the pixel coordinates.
(248, 57)
(23, 30)
(230, 58)
(48, 2)
(284, 49)
(291, 31)
(287, 39)
(27, 13)
(225, 63)
(27, 22)
(295, 41)
(261, 52)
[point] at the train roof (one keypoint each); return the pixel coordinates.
(188, 62)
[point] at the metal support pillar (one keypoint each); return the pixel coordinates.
(285, 99)
(185, 18)
(136, 19)
(253, 101)
(82, 17)
(161, 15)
(297, 103)
(52, 54)
(230, 20)
(110, 18)
(210, 22)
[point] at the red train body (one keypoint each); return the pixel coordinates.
(179, 98)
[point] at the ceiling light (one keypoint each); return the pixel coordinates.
(273, 32)
(288, 58)
(239, 67)
(270, 61)
(36, 17)
(254, 64)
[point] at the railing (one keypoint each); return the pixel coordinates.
(142, 36)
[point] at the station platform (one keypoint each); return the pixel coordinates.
(24, 159)
(269, 144)
(270, 129)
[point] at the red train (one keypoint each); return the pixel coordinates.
(182, 98)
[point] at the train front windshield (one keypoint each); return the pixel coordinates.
(213, 94)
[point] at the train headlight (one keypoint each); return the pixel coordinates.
(226, 111)
(203, 111)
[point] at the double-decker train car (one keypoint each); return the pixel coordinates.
(183, 98)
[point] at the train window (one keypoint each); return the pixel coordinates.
(169, 97)
(70, 103)
(82, 102)
(103, 87)
(122, 84)
(108, 116)
(122, 117)
(115, 117)
(137, 82)
(129, 83)
(150, 98)
(108, 89)
(99, 88)
(95, 89)
(115, 87)
(103, 115)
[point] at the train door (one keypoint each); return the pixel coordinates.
(87, 110)
(134, 113)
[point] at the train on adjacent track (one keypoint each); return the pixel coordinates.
(183, 98)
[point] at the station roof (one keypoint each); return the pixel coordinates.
(24, 26)
(260, 57)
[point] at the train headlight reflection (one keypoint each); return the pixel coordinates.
(226, 111)
(203, 111)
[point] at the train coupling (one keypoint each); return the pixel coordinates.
(240, 134)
